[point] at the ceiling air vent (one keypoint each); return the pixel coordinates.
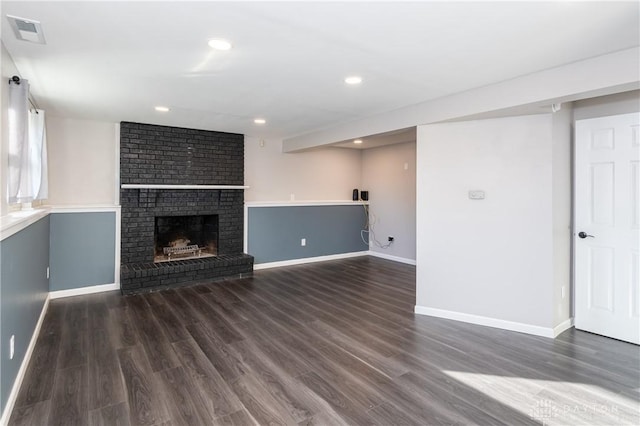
(26, 29)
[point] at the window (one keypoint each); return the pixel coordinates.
(27, 172)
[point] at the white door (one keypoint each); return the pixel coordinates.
(607, 219)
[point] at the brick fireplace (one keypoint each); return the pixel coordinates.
(153, 155)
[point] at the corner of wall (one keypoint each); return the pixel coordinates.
(561, 212)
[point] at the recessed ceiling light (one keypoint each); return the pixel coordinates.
(219, 44)
(358, 141)
(260, 121)
(162, 109)
(354, 79)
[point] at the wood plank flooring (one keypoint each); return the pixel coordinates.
(332, 343)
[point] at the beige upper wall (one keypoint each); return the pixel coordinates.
(83, 167)
(82, 162)
(323, 174)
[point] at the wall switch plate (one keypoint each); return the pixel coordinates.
(476, 195)
(303, 242)
(12, 345)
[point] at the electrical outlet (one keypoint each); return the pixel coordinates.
(303, 242)
(12, 344)
(390, 239)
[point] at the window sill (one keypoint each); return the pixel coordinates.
(16, 221)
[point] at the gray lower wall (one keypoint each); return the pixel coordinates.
(82, 249)
(274, 233)
(24, 258)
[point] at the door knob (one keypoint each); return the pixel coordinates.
(583, 235)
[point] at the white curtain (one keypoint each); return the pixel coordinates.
(18, 137)
(27, 179)
(39, 184)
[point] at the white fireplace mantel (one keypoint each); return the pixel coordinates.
(150, 186)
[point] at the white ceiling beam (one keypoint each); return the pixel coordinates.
(612, 73)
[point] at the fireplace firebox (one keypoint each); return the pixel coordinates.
(185, 237)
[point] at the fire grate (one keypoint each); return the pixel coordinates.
(192, 250)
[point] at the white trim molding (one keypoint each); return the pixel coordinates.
(83, 290)
(116, 156)
(84, 208)
(562, 327)
(118, 254)
(251, 204)
(245, 229)
(393, 258)
(17, 384)
(536, 330)
(303, 260)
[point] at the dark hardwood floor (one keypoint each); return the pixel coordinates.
(330, 343)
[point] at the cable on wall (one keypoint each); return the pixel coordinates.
(369, 228)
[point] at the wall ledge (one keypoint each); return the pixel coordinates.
(535, 330)
(84, 208)
(15, 222)
(304, 203)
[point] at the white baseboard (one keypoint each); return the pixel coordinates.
(291, 262)
(487, 321)
(17, 384)
(563, 326)
(83, 290)
(394, 258)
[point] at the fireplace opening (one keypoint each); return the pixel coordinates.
(185, 237)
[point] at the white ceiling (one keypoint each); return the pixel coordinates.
(114, 61)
